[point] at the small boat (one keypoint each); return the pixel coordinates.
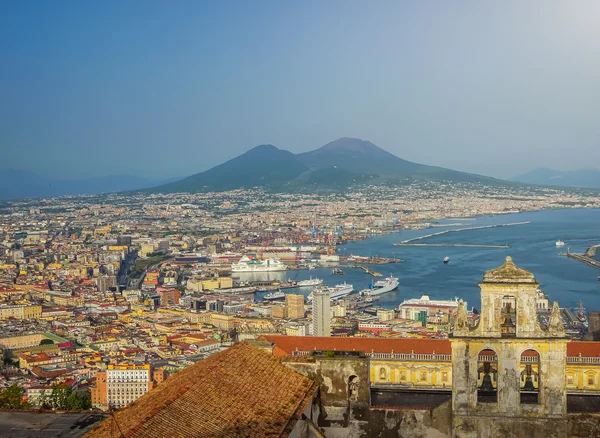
(277, 295)
(446, 260)
(337, 271)
(560, 243)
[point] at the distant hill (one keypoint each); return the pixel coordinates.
(17, 184)
(585, 178)
(263, 165)
(336, 165)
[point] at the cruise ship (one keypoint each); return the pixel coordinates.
(337, 292)
(382, 287)
(310, 282)
(246, 264)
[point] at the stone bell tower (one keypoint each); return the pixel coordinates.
(508, 370)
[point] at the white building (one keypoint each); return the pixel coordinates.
(127, 383)
(321, 312)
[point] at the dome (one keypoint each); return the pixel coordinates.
(509, 273)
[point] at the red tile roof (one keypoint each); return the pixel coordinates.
(242, 391)
(285, 345)
(585, 349)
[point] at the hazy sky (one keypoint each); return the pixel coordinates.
(163, 89)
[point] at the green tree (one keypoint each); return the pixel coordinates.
(46, 342)
(12, 398)
(64, 398)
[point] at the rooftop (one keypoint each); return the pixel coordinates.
(509, 273)
(221, 396)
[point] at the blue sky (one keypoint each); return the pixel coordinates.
(166, 89)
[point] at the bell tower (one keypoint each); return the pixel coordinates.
(508, 370)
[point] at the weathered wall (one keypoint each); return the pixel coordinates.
(494, 426)
(396, 423)
(584, 426)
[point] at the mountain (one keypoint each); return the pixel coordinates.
(17, 184)
(263, 165)
(585, 178)
(336, 165)
(362, 156)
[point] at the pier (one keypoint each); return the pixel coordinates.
(457, 245)
(439, 233)
(586, 257)
(369, 271)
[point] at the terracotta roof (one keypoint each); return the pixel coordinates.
(242, 391)
(585, 349)
(285, 345)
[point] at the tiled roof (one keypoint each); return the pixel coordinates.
(285, 345)
(585, 349)
(242, 391)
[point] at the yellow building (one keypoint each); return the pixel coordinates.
(21, 311)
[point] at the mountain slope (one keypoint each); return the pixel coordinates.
(263, 165)
(585, 178)
(361, 156)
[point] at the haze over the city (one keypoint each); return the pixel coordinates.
(161, 90)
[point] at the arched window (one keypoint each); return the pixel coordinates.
(530, 378)
(382, 373)
(487, 376)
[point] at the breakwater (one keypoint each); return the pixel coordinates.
(439, 233)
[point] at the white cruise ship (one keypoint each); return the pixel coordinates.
(246, 264)
(382, 286)
(337, 292)
(310, 282)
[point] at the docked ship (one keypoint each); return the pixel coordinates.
(273, 296)
(246, 264)
(382, 287)
(560, 243)
(310, 282)
(337, 292)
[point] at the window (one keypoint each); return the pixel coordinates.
(403, 376)
(569, 380)
(423, 376)
(382, 374)
(444, 376)
(591, 380)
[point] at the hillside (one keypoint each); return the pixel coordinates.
(337, 165)
(263, 165)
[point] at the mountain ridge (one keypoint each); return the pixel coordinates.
(337, 164)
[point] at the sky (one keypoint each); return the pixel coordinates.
(164, 89)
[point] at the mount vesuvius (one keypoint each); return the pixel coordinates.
(336, 165)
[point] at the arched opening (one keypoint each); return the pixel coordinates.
(508, 327)
(382, 374)
(353, 383)
(530, 377)
(487, 376)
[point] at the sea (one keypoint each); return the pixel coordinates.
(531, 244)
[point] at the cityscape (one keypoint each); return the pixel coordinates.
(299, 220)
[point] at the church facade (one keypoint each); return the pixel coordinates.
(507, 375)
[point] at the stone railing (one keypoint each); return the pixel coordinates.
(583, 359)
(411, 356)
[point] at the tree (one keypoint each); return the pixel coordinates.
(64, 398)
(12, 398)
(46, 342)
